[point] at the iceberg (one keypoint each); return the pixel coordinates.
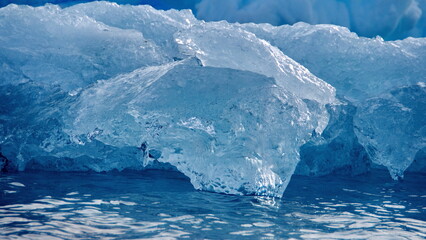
(231, 117)
(225, 135)
(359, 68)
(392, 127)
(365, 73)
(223, 140)
(51, 46)
(238, 108)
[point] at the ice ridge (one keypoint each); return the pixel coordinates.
(235, 107)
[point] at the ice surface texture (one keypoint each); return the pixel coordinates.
(104, 87)
(367, 72)
(359, 68)
(392, 127)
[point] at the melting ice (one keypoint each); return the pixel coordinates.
(235, 107)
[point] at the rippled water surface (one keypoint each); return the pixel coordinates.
(163, 205)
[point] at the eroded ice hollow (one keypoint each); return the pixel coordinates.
(100, 86)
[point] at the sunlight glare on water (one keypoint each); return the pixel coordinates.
(163, 205)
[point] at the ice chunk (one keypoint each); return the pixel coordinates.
(157, 26)
(363, 71)
(359, 68)
(239, 49)
(230, 126)
(51, 46)
(101, 86)
(392, 127)
(230, 131)
(233, 48)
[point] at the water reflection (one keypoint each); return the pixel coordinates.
(163, 205)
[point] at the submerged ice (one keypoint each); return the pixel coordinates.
(103, 87)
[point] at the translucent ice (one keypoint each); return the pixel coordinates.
(364, 71)
(156, 26)
(359, 68)
(392, 127)
(226, 135)
(51, 46)
(101, 86)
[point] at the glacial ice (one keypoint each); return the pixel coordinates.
(359, 68)
(363, 71)
(102, 86)
(392, 127)
(199, 119)
(145, 97)
(226, 135)
(51, 46)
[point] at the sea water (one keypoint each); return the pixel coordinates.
(164, 205)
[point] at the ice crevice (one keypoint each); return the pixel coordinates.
(235, 107)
